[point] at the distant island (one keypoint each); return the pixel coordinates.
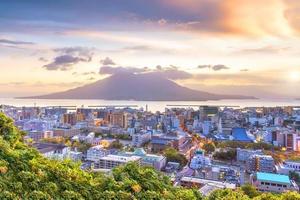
(139, 87)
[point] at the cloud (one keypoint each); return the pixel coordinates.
(14, 42)
(88, 73)
(166, 72)
(218, 67)
(244, 70)
(69, 56)
(292, 14)
(107, 61)
(173, 74)
(42, 59)
(263, 50)
(252, 17)
(64, 62)
(83, 52)
(107, 70)
(204, 66)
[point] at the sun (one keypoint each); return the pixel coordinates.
(294, 76)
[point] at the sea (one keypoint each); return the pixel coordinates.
(152, 106)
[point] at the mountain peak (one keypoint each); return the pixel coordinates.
(140, 87)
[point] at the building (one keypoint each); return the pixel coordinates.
(261, 163)
(53, 151)
(289, 166)
(95, 153)
(69, 118)
(66, 132)
(111, 161)
(39, 135)
(156, 161)
(269, 182)
(206, 186)
(117, 119)
(139, 139)
(178, 140)
(76, 156)
(240, 134)
(243, 155)
(199, 160)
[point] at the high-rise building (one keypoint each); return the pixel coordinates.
(117, 119)
(70, 118)
(260, 163)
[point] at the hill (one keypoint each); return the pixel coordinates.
(140, 87)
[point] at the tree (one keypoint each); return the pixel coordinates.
(209, 147)
(294, 176)
(116, 145)
(173, 155)
(227, 155)
(250, 191)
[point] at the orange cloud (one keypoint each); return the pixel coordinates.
(246, 17)
(256, 17)
(292, 14)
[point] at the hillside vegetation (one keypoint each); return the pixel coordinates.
(25, 174)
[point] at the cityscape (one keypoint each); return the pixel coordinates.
(149, 100)
(211, 147)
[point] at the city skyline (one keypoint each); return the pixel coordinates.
(217, 46)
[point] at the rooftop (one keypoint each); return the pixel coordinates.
(118, 158)
(240, 134)
(273, 177)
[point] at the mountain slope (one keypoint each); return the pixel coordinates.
(140, 87)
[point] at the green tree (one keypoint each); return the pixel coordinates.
(173, 155)
(116, 145)
(250, 191)
(209, 147)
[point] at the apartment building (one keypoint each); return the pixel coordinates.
(269, 182)
(112, 161)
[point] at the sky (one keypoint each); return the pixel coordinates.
(248, 47)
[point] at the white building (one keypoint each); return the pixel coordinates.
(156, 161)
(53, 151)
(199, 160)
(289, 166)
(206, 186)
(138, 139)
(243, 155)
(111, 161)
(260, 163)
(95, 153)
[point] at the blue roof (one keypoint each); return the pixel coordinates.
(240, 134)
(277, 178)
(159, 141)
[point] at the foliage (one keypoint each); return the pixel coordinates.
(173, 155)
(250, 191)
(245, 145)
(81, 146)
(227, 155)
(209, 147)
(116, 145)
(293, 175)
(114, 136)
